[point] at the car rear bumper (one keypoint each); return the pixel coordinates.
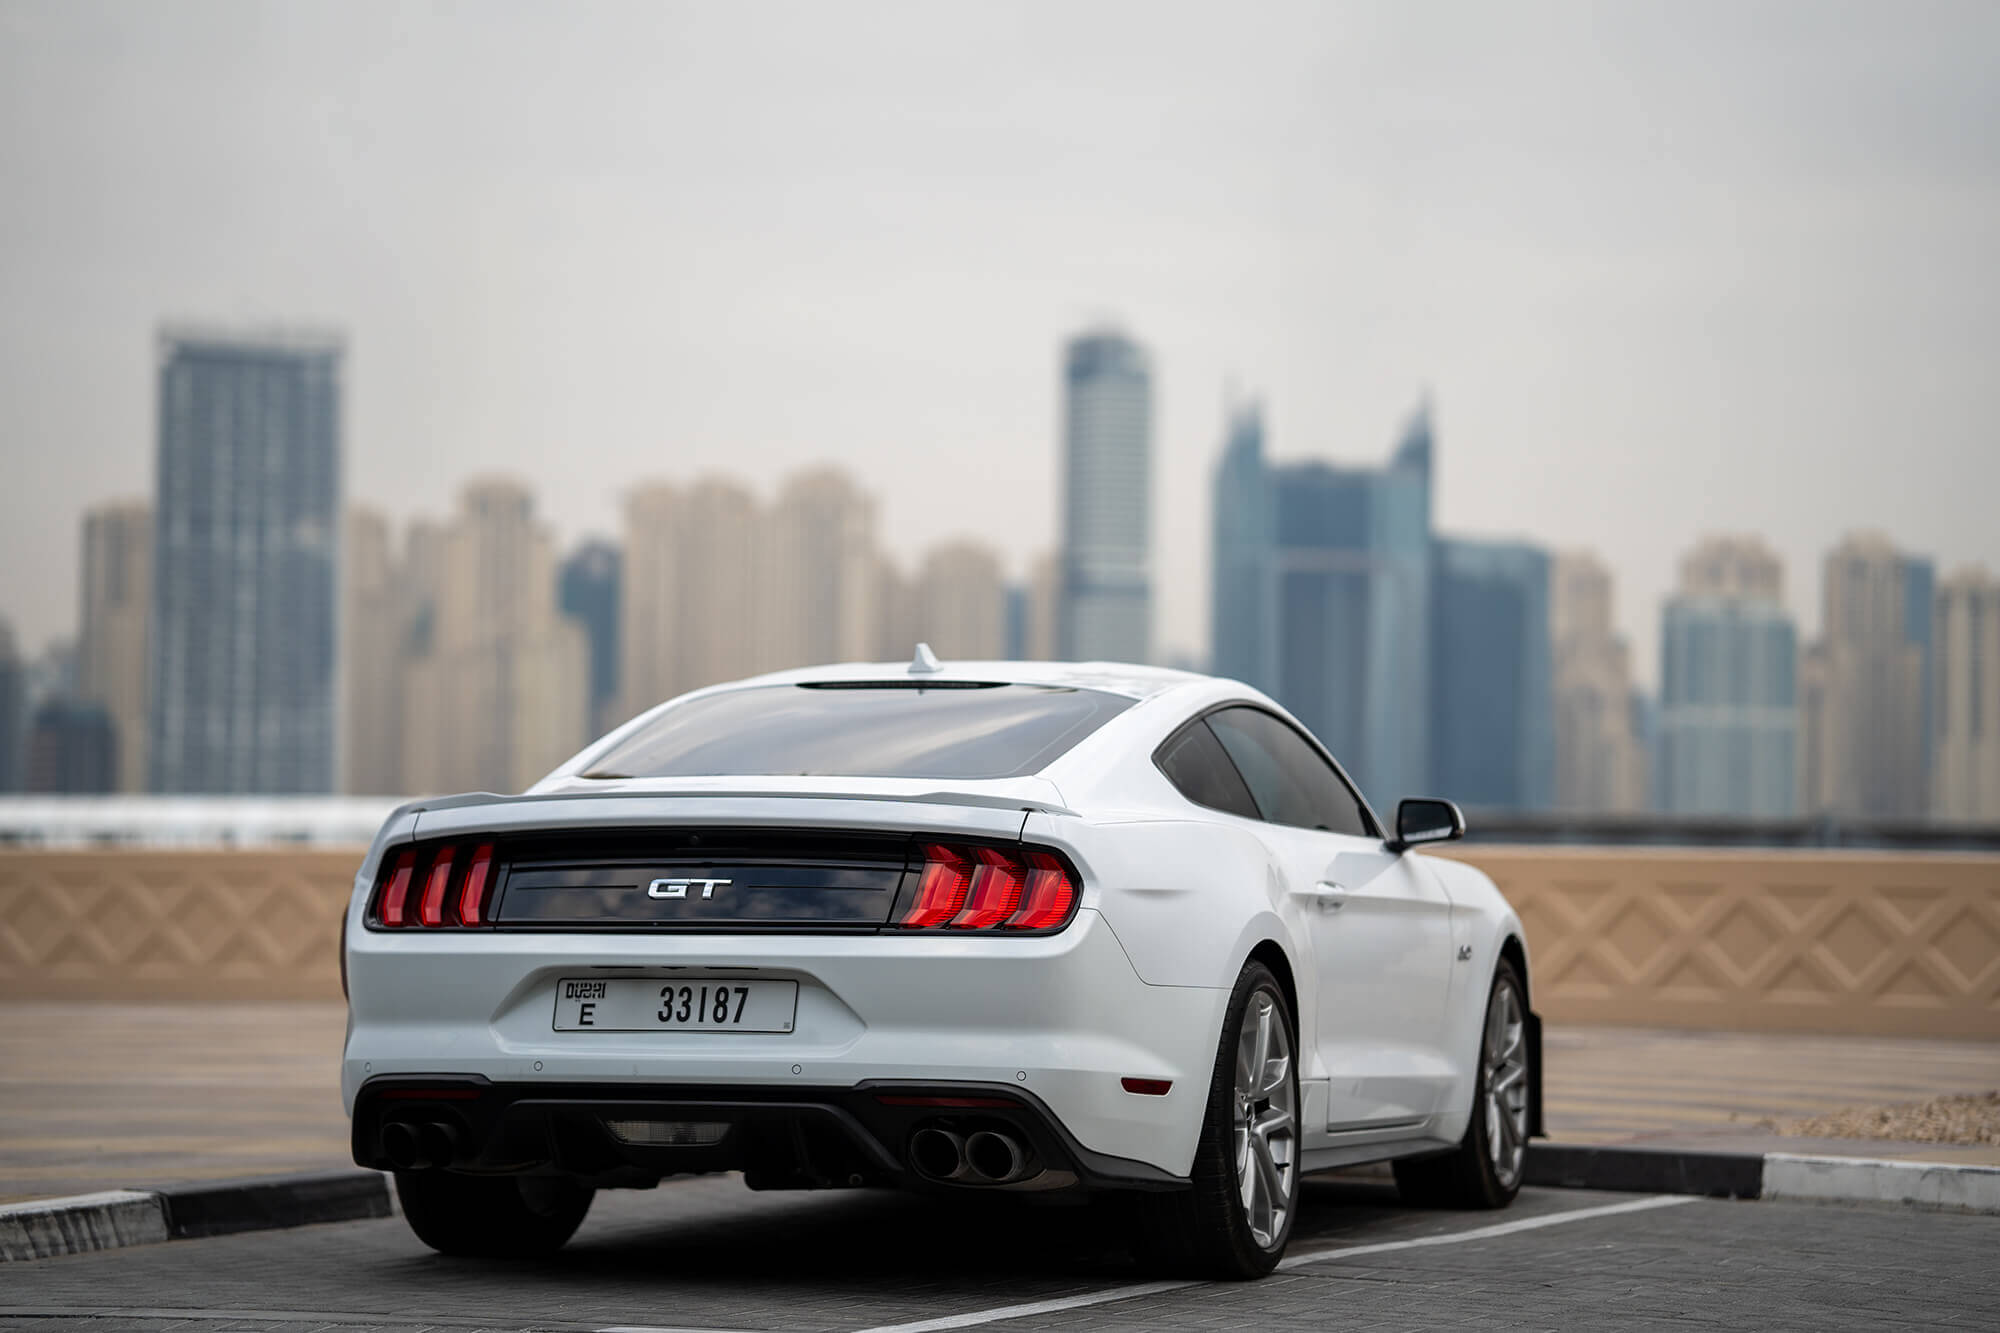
(1059, 1021)
(780, 1138)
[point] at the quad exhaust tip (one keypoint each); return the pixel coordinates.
(984, 1157)
(419, 1147)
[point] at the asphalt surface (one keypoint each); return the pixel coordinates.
(710, 1254)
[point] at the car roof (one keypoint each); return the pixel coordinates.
(1128, 679)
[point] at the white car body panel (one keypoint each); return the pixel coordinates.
(1175, 898)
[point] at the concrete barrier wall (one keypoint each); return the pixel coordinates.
(1879, 943)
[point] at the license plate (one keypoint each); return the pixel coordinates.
(685, 1004)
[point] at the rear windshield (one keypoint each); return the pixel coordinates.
(871, 730)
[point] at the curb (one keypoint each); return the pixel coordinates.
(45, 1228)
(1950, 1187)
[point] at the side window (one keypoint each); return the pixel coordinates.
(1195, 762)
(1286, 776)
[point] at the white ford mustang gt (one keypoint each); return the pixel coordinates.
(1031, 927)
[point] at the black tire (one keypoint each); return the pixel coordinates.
(1466, 1177)
(1204, 1231)
(492, 1217)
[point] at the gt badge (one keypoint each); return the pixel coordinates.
(678, 888)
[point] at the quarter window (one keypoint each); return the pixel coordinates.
(1195, 762)
(1287, 778)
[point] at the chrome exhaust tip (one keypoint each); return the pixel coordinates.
(938, 1154)
(403, 1147)
(995, 1159)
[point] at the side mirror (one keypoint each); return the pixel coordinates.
(1420, 819)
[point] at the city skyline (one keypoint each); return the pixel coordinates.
(1652, 299)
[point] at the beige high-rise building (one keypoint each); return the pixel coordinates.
(962, 602)
(1044, 592)
(898, 612)
(375, 652)
(824, 588)
(1966, 639)
(1742, 567)
(502, 695)
(1600, 758)
(117, 596)
(1862, 749)
(697, 595)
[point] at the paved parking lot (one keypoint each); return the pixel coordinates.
(709, 1254)
(99, 1097)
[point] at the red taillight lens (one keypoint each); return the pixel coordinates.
(941, 892)
(472, 898)
(995, 891)
(432, 910)
(395, 897)
(1049, 895)
(989, 888)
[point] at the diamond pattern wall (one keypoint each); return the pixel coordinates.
(1884, 943)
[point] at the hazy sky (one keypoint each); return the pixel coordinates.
(1666, 269)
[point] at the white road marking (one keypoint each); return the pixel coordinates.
(1004, 1312)
(1482, 1233)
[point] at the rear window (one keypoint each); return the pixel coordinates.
(868, 730)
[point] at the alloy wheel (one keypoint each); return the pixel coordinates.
(1506, 1055)
(1266, 1120)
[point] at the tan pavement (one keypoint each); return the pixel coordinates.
(103, 1097)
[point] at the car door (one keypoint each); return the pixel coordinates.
(1380, 926)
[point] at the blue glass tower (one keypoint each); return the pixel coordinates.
(1492, 676)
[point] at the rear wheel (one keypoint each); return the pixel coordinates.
(1235, 1220)
(509, 1217)
(1484, 1171)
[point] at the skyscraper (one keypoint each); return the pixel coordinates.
(588, 595)
(1107, 594)
(821, 604)
(1867, 733)
(376, 600)
(1966, 785)
(962, 602)
(1602, 759)
(13, 711)
(111, 642)
(72, 749)
(1242, 621)
(1351, 571)
(502, 695)
(1729, 715)
(1492, 687)
(246, 558)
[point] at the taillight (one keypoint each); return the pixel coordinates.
(432, 911)
(990, 888)
(395, 897)
(434, 887)
(472, 898)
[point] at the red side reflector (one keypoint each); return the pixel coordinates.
(472, 898)
(941, 893)
(995, 891)
(963, 1103)
(1147, 1087)
(398, 892)
(1048, 896)
(432, 910)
